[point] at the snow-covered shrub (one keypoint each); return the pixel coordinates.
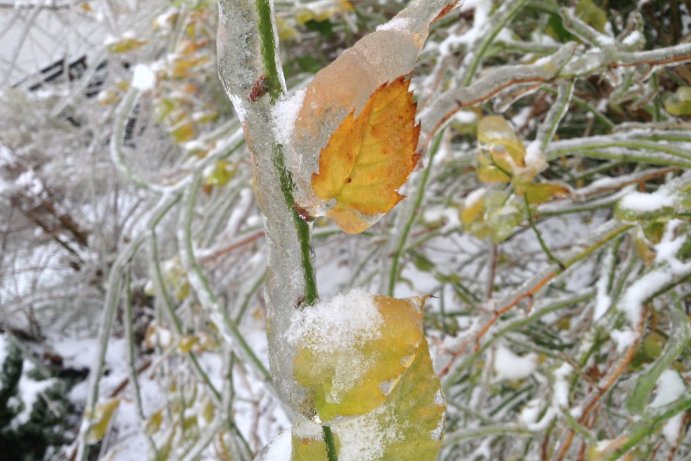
(33, 407)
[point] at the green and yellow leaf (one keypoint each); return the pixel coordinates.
(101, 419)
(126, 44)
(501, 153)
(544, 192)
(335, 389)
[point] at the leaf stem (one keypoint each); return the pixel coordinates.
(550, 256)
(330, 443)
(268, 48)
(301, 226)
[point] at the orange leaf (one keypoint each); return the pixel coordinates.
(368, 157)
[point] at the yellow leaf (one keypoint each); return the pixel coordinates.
(307, 449)
(186, 66)
(126, 44)
(592, 14)
(408, 427)
(544, 192)
(368, 157)
(501, 153)
(473, 208)
(221, 174)
(286, 31)
(187, 342)
(414, 413)
(153, 424)
(493, 213)
(101, 419)
(322, 11)
(184, 131)
(335, 388)
(679, 103)
(208, 411)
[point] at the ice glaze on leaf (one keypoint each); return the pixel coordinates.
(355, 380)
(101, 419)
(307, 449)
(544, 192)
(501, 153)
(408, 426)
(368, 157)
(414, 412)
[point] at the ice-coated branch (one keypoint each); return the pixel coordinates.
(606, 233)
(253, 80)
(496, 80)
(678, 341)
(649, 423)
(568, 62)
(108, 317)
(556, 113)
(499, 20)
(582, 30)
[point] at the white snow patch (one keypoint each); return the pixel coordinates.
(29, 391)
(143, 78)
(530, 412)
(522, 117)
(474, 197)
(642, 202)
(603, 301)
(623, 339)
(669, 246)
(670, 386)
(341, 323)
(284, 115)
(480, 23)
(364, 438)
(4, 350)
(280, 448)
(508, 365)
(633, 38)
(544, 422)
(534, 157)
(465, 117)
(560, 397)
(163, 19)
(642, 289)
